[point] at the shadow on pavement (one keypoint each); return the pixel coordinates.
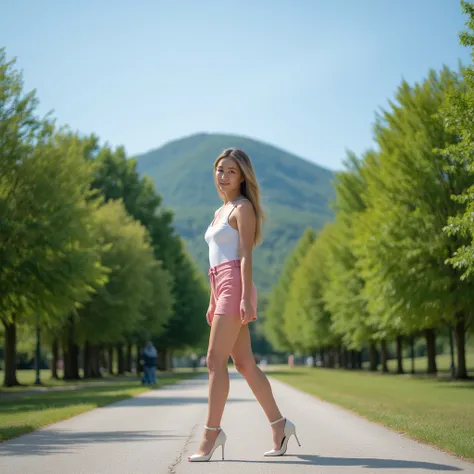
(368, 463)
(146, 401)
(41, 443)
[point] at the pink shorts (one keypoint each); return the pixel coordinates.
(226, 288)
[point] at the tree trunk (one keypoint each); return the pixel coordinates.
(383, 355)
(451, 352)
(110, 360)
(71, 354)
(71, 369)
(460, 335)
(400, 355)
(372, 357)
(87, 360)
(342, 357)
(54, 362)
(95, 362)
(120, 360)
(321, 355)
(138, 367)
(10, 379)
(412, 348)
(102, 358)
(431, 351)
(352, 359)
(169, 360)
(331, 358)
(359, 360)
(162, 358)
(128, 362)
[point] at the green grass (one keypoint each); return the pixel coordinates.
(24, 413)
(28, 377)
(436, 411)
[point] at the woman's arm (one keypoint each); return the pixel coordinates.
(246, 223)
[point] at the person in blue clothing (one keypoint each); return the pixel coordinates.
(150, 356)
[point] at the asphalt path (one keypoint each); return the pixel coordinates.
(156, 431)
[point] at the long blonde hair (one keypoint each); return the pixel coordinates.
(249, 187)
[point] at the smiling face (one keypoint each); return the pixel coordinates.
(228, 177)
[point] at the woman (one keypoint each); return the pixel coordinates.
(231, 236)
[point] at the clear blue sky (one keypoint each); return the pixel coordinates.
(304, 75)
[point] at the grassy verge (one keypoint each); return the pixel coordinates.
(22, 414)
(436, 411)
(27, 381)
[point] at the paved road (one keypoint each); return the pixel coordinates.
(156, 431)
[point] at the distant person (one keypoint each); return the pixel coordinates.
(194, 362)
(231, 236)
(150, 356)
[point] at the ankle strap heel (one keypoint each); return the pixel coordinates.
(277, 421)
(220, 441)
(288, 430)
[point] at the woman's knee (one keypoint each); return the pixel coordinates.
(245, 366)
(216, 361)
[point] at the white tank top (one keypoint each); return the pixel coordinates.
(223, 240)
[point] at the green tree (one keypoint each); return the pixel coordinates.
(308, 323)
(458, 115)
(50, 259)
(116, 177)
(276, 310)
(127, 303)
(188, 326)
(403, 248)
(343, 294)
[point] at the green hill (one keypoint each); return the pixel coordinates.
(295, 194)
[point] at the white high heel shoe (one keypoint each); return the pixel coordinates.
(289, 430)
(220, 441)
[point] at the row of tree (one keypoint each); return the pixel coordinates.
(398, 259)
(87, 250)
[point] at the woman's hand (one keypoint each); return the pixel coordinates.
(246, 311)
(210, 310)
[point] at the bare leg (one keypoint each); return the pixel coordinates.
(258, 382)
(224, 332)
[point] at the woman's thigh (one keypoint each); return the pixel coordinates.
(241, 353)
(225, 330)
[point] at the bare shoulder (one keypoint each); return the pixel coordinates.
(245, 209)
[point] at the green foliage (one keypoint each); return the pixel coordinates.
(342, 293)
(84, 240)
(381, 269)
(458, 115)
(409, 198)
(49, 255)
(115, 309)
(188, 326)
(278, 307)
(157, 308)
(307, 323)
(117, 177)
